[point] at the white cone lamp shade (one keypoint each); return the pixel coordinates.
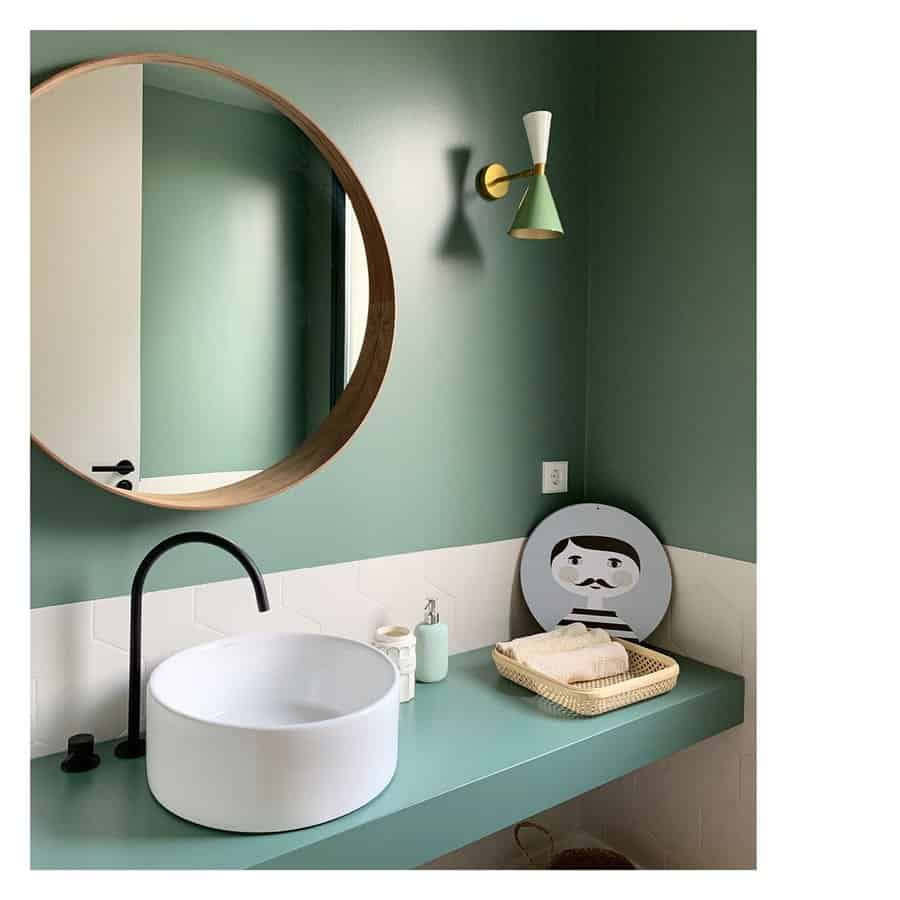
(536, 217)
(537, 127)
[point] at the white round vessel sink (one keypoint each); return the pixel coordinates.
(271, 732)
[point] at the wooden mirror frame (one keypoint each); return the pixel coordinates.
(357, 398)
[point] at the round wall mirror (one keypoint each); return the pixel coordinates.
(212, 297)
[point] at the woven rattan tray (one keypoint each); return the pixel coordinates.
(650, 673)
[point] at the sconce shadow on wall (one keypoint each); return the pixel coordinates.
(459, 241)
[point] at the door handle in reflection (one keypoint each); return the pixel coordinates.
(123, 467)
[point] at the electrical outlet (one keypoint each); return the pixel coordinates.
(555, 477)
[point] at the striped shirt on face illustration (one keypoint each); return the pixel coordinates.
(596, 569)
(601, 618)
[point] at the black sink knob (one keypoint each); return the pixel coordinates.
(80, 756)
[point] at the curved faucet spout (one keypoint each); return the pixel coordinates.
(134, 745)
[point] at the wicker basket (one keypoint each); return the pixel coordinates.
(649, 674)
(576, 858)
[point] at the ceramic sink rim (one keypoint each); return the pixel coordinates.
(272, 731)
(252, 637)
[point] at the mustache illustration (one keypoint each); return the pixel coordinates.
(595, 582)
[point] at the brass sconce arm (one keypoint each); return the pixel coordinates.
(525, 173)
(492, 182)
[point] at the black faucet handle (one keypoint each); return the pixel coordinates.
(80, 755)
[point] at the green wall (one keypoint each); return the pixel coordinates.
(225, 284)
(487, 376)
(670, 361)
(627, 347)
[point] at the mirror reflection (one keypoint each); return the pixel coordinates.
(199, 281)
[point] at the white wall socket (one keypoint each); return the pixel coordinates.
(555, 478)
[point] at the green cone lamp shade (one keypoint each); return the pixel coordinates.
(537, 218)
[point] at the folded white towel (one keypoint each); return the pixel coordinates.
(585, 664)
(568, 637)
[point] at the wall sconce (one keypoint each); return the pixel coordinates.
(536, 217)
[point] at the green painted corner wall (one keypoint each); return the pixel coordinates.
(670, 355)
(487, 375)
(627, 347)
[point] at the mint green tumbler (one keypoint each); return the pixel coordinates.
(432, 645)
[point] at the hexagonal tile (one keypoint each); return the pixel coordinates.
(397, 584)
(79, 684)
(483, 580)
(472, 568)
(661, 635)
(329, 595)
(714, 600)
(110, 621)
(704, 622)
(229, 607)
(167, 622)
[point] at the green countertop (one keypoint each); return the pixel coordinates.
(477, 753)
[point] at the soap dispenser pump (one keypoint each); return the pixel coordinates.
(432, 645)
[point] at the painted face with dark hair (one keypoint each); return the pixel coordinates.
(595, 568)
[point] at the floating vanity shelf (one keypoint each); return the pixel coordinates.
(477, 753)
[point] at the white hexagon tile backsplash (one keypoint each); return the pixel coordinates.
(80, 650)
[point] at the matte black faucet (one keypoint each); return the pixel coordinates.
(134, 745)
